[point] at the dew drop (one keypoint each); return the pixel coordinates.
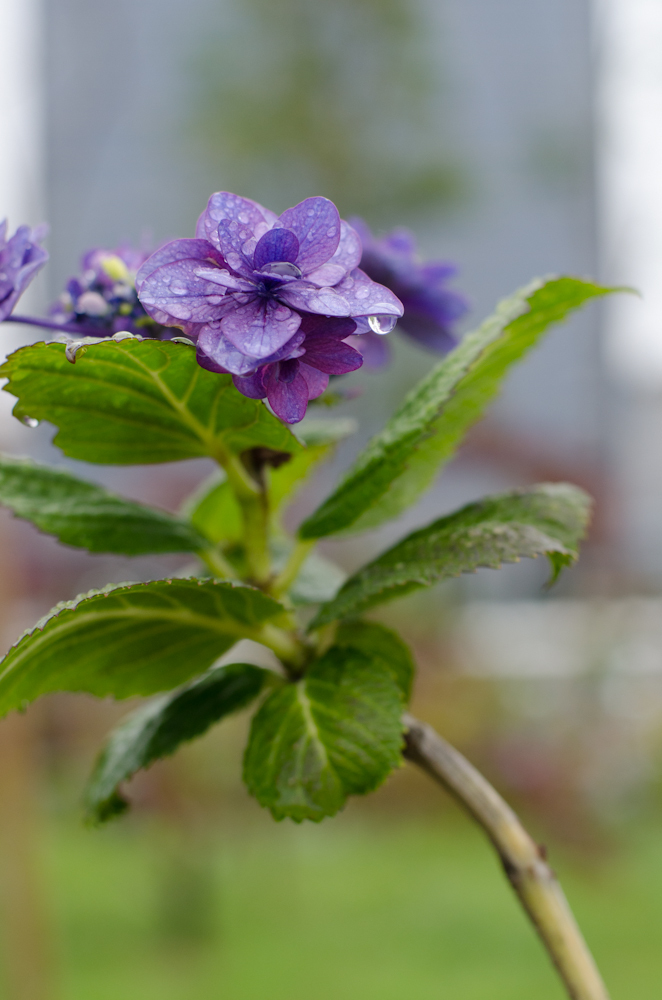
(382, 324)
(30, 422)
(282, 268)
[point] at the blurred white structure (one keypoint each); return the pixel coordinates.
(21, 113)
(22, 144)
(629, 158)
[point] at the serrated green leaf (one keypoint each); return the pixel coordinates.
(88, 516)
(158, 729)
(403, 460)
(337, 732)
(547, 519)
(132, 639)
(138, 402)
(380, 643)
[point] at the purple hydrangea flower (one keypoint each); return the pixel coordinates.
(430, 308)
(102, 300)
(269, 299)
(20, 259)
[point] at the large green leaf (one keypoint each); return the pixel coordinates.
(133, 638)
(404, 458)
(379, 643)
(547, 519)
(337, 732)
(88, 516)
(160, 727)
(138, 401)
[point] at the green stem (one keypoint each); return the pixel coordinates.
(290, 571)
(289, 650)
(253, 502)
(217, 563)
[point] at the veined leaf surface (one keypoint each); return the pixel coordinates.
(138, 401)
(549, 519)
(337, 732)
(132, 639)
(404, 458)
(88, 516)
(160, 727)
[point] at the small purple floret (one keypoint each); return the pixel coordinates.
(270, 299)
(430, 308)
(20, 259)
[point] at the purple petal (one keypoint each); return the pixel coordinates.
(252, 386)
(260, 327)
(289, 400)
(234, 225)
(20, 259)
(325, 301)
(276, 245)
(375, 349)
(175, 294)
(332, 356)
(401, 241)
(316, 380)
(316, 224)
(366, 298)
(222, 355)
(201, 250)
(208, 363)
(344, 260)
(339, 327)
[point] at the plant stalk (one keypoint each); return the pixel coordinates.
(289, 573)
(523, 860)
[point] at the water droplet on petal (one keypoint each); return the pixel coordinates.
(30, 422)
(382, 324)
(282, 268)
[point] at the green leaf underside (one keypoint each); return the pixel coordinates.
(88, 516)
(547, 519)
(383, 644)
(132, 639)
(138, 402)
(158, 729)
(403, 460)
(337, 732)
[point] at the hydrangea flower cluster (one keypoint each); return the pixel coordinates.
(269, 299)
(430, 308)
(21, 257)
(102, 300)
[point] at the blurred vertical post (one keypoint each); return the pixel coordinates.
(628, 35)
(26, 945)
(25, 951)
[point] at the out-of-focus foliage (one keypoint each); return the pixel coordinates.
(294, 119)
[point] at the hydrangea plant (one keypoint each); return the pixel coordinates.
(213, 347)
